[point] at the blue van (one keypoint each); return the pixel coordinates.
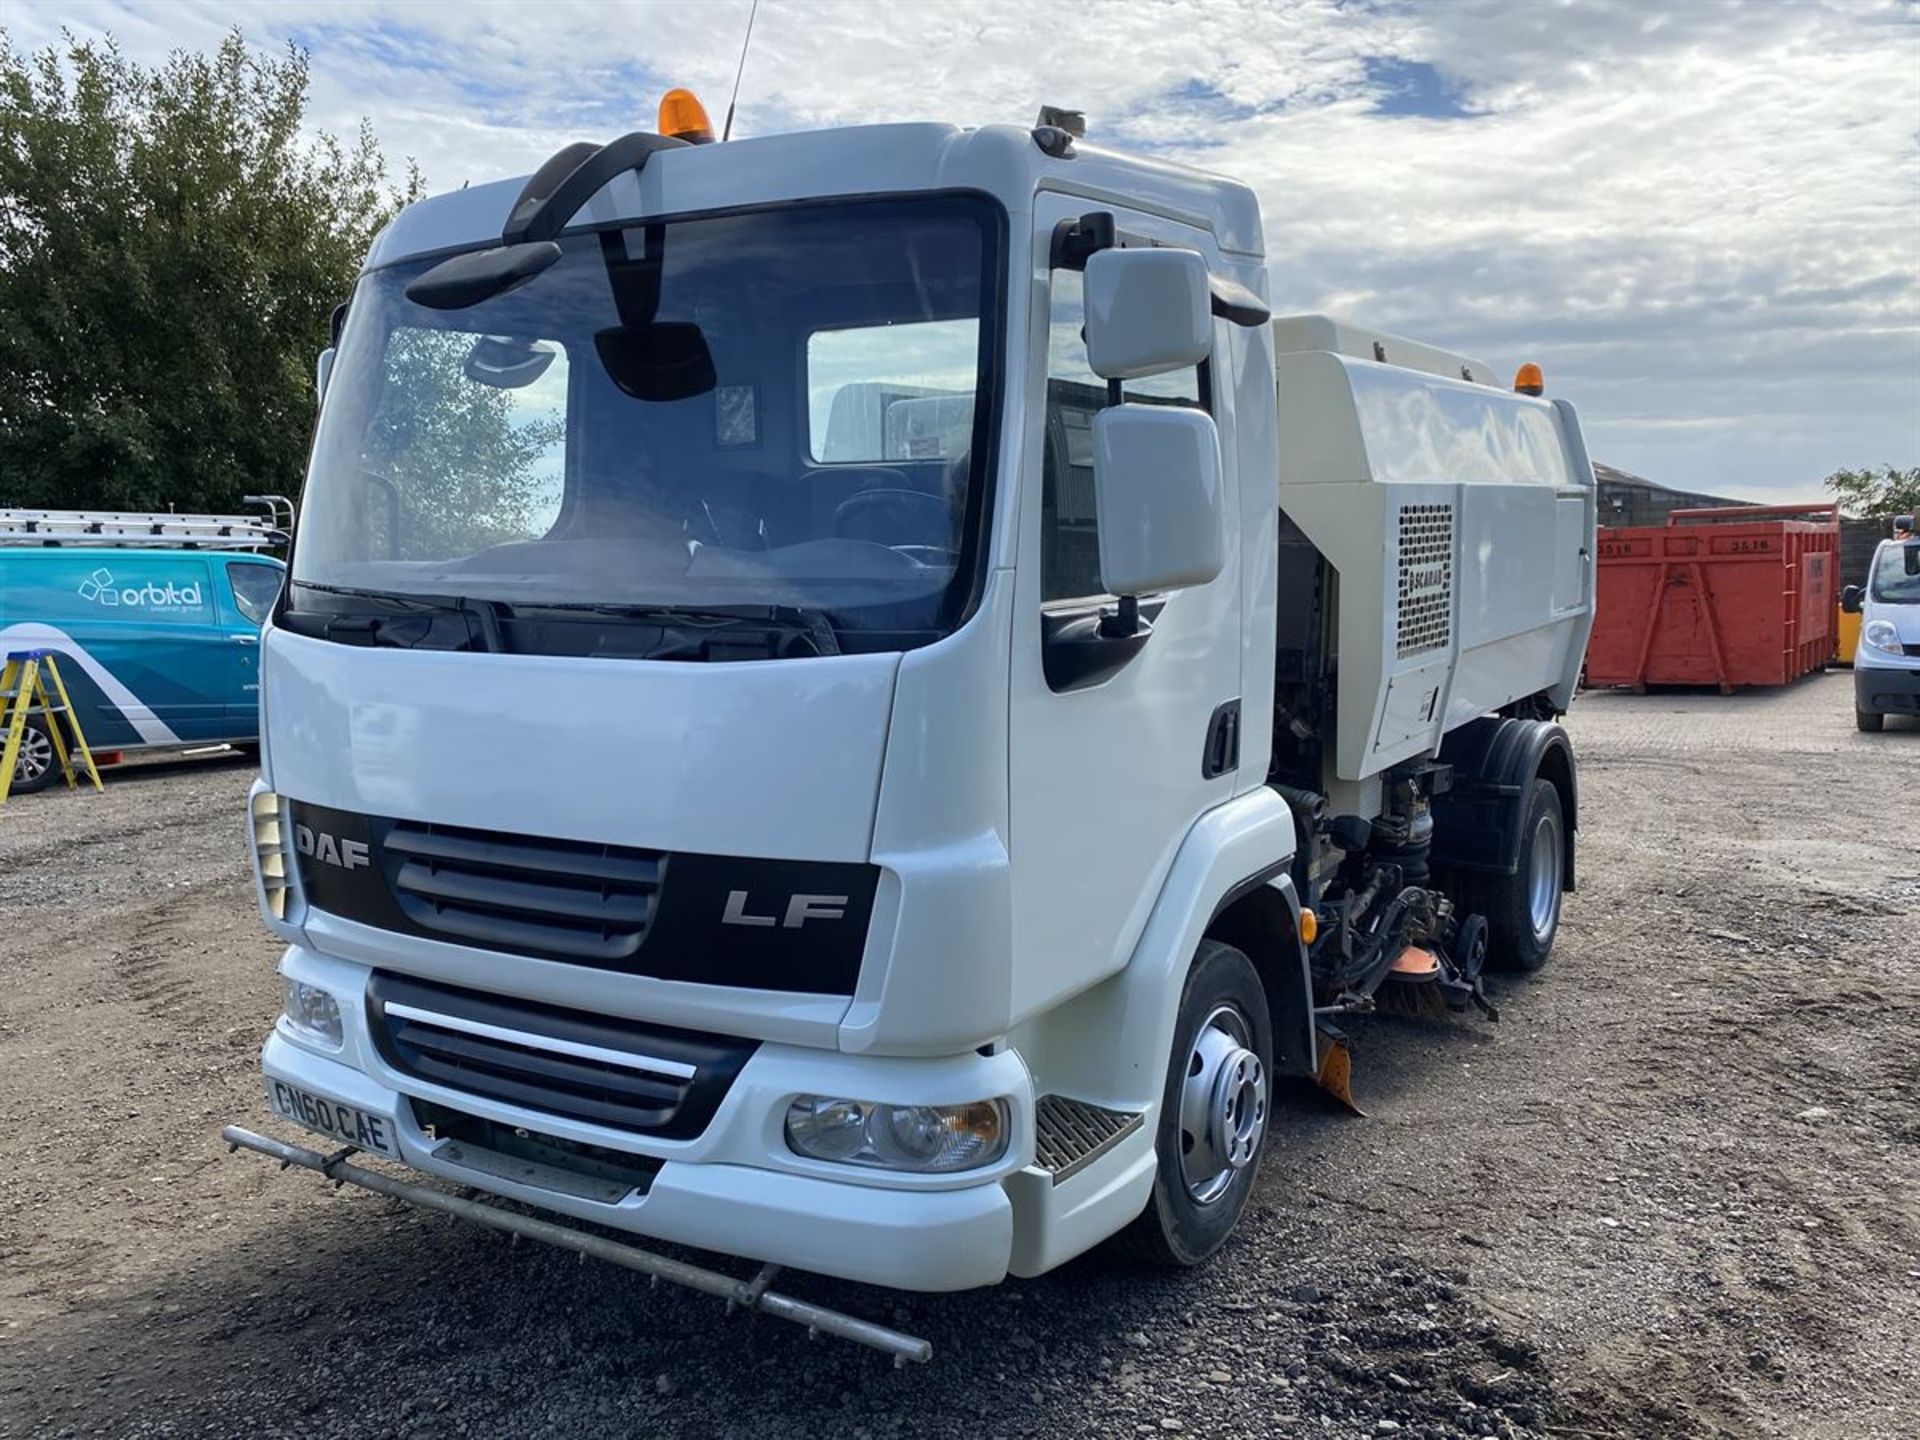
(158, 647)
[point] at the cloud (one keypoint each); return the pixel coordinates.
(1702, 219)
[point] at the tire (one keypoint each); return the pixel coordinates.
(35, 767)
(1213, 1112)
(1869, 721)
(1523, 909)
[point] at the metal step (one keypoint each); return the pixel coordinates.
(1072, 1134)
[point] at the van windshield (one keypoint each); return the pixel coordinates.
(771, 411)
(1896, 575)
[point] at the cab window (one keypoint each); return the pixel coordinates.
(255, 587)
(892, 392)
(1069, 534)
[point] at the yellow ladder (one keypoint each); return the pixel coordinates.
(23, 692)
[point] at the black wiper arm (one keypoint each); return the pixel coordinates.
(387, 597)
(814, 624)
(485, 615)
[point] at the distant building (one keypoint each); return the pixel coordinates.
(1627, 499)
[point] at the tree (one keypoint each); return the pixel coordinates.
(172, 243)
(1876, 494)
(468, 465)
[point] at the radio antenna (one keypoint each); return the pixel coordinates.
(740, 69)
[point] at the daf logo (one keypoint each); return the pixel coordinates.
(800, 909)
(347, 854)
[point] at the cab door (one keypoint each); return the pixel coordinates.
(248, 589)
(1108, 774)
(152, 620)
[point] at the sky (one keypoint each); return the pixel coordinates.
(1701, 217)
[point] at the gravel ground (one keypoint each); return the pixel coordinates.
(1675, 1191)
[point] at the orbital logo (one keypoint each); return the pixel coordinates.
(99, 587)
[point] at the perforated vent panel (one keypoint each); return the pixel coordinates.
(1426, 578)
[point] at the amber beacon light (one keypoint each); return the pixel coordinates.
(684, 118)
(1527, 379)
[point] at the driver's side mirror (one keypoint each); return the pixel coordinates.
(1851, 599)
(1148, 312)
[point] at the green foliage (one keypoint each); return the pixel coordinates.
(470, 465)
(1876, 494)
(172, 243)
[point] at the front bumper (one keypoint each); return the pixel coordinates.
(736, 1189)
(1885, 689)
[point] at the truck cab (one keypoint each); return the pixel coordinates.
(1886, 663)
(799, 725)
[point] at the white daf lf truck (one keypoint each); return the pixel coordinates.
(853, 700)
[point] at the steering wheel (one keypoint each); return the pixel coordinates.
(910, 521)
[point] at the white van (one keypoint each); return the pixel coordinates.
(1886, 667)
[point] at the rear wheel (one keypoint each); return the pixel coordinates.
(34, 768)
(1523, 909)
(1870, 722)
(1213, 1112)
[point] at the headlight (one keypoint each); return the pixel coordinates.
(928, 1139)
(270, 849)
(1881, 635)
(313, 1014)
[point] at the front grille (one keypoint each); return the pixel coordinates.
(790, 925)
(646, 1079)
(585, 901)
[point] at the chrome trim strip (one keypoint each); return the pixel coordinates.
(678, 1069)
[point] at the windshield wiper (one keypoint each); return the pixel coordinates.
(484, 615)
(798, 619)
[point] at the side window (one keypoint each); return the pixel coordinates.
(892, 392)
(255, 588)
(1069, 533)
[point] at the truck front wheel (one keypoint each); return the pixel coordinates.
(1869, 722)
(1213, 1112)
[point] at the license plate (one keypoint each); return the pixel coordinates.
(330, 1118)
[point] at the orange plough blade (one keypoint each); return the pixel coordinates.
(1336, 1073)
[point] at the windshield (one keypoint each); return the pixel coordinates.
(761, 412)
(1896, 575)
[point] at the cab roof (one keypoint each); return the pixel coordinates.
(1001, 160)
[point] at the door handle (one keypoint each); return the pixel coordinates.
(243, 639)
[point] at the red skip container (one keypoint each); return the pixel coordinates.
(1740, 595)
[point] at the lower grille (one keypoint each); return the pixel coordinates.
(645, 1079)
(528, 1157)
(1071, 1134)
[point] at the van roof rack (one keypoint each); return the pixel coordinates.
(139, 528)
